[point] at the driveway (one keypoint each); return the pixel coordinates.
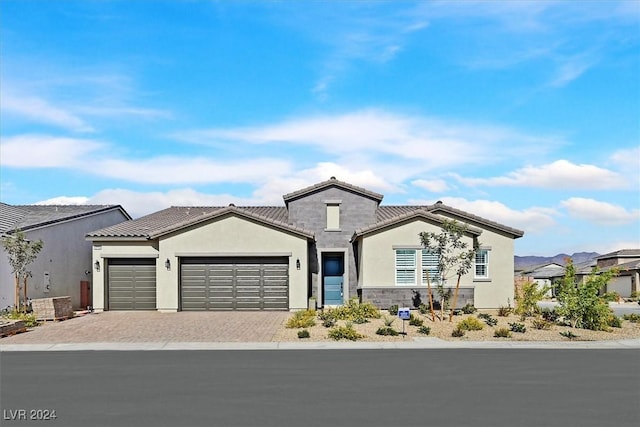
(151, 326)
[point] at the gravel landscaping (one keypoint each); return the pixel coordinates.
(444, 329)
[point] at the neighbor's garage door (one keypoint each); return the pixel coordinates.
(132, 284)
(238, 283)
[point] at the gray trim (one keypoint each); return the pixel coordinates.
(232, 254)
(332, 202)
(129, 256)
(395, 247)
(483, 280)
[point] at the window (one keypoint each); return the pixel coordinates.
(405, 266)
(430, 265)
(482, 264)
(333, 216)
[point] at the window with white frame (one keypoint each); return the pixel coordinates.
(405, 266)
(481, 264)
(333, 216)
(429, 263)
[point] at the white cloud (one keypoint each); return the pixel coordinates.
(572, 68)
(627, 159)
(44, 151)
(601, 213)
(530, 220)
(433, 185)
(39, 110)
(65, 200)
(560, 174)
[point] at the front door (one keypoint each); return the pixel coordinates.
(332, 278)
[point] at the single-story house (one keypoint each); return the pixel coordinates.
(544, 275)
(331, 242)
(65, 259)
(627, 262)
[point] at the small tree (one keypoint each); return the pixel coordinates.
(455, 258)
(21, 252)
(580, 303)
(527, 298)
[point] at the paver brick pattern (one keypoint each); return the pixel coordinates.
(151, 326)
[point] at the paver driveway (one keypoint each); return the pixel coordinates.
(151, 326)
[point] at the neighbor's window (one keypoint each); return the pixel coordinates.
(333, 216)
(482, 264)
(405, 266)
(430, 265)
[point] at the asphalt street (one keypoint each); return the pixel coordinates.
(428, 387)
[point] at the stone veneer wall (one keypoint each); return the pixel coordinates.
(408, 297)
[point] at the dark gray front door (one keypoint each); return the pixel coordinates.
(238, 283)
(131, 284)
(332, 278)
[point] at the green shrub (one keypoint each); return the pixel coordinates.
(550, 315)
(355, 309)
(345, 332)
(483, 316)
(424, 309)
(502, 333)
(470, 324)
(29, 319)
(632, 317)
(424, 330)
(302, 319)
(387, 330)
(415, 321)
(612, 296)
(329, 322)
(615, 322)
(457, 332)
(569, 334)
(528, 297)
(360, 320)
(541, 324)
(388, 321)
(393, 310)
(504, 311)
(517, 327)
(469, 309)
(635, 296)
(303, 333)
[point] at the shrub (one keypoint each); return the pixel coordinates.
(469, 309)
(424, 309)
(550, 314)
(633, 317)
(484, 316)
(29, 319)
(470, 324)
(528, 297)
(457, 332)
(615, 322)
(569, 334)
(541, 324)
(303, 333)
(302, 319)
(517, 327)
(488, 319)
(504, 311)
(329, 322)
(387, 330)
(355, 309)
(415, 321)
(345, 332)
(635, 296)
(580, 304)
(393, 310)
(360, 320)
(425, 330)
(611, 296)
(388, 321)
(502, 333)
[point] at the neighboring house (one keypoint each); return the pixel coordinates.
(331, 241)
(627, 262)
(65, 259)
(544, 275)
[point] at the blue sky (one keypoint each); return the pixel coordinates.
(526, 113)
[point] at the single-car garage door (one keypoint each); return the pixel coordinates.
(132, 284)
(238, 283)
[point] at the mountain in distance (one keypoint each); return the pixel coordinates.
(578, 257)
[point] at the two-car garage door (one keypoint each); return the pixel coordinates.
(234, 283)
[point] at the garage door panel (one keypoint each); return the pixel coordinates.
(131, 285)
(236, 284)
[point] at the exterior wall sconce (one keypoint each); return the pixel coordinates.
(97, 265)
(298, 264)
(167, 264)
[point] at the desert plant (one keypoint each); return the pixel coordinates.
(393, 310)
(541, 324)
(415, 321)
(345, 332)
(504, 311)
(488, 319)
(569, 334)
(483, 316)
(360, 320)
(615, 322)
(579, 303)
(388, 321)
(469, 309)
(329, 322)
(424, 330)
(302, 319)
(470, 324)
(457, 332)
(635, 296)
(387, 330)
(632, 317)
(355, 309)
(303, 333)
(29, 319)
(502, 333)
(528, 297)
(612, 296)
(517, 327)
(550, 314)
(423, 308)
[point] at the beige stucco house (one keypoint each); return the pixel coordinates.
(330, 242)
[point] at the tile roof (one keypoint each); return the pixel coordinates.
(25, 217)
(178, 217)
(332, 182)
(623, 253)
